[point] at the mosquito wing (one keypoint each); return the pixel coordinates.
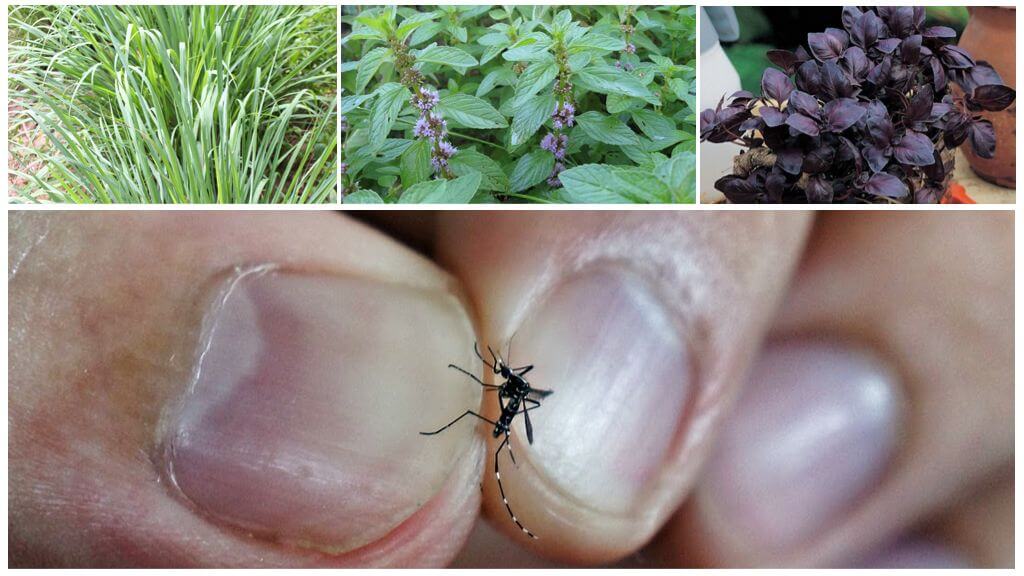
(540, 393)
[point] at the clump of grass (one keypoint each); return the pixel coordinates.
(177, 104)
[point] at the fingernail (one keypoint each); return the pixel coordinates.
(916, 553)
(813, 432)
(620, 372)
(302, 424)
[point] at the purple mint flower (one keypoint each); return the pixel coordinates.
(425, 98)
(553, 180)
(423, 129)
(440, 154)
(446, 149)
(344, 124)
(630, 48)
(430, 126)
(344, 168)
(564, 116)
(548, 143)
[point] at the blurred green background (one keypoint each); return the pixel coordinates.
(762, 29)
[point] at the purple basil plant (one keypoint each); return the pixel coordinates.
(868, 114)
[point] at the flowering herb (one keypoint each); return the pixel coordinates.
(866, 113)
(518, 103)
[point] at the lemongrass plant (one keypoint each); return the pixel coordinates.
(177, 104)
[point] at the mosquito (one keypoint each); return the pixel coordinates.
(515, 397)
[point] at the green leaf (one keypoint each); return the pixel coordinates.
(458, 191)
(368, 66)
(607, 129)
(412, 23)
(447, 55)
(415, 163)
(605, 79)
(462, 189)
(530, 116)
(425, 33)
(536, 77)
(491, 175)
(500, 77)
(658, 127)
(616, 103)
(681, 88)
(603, 184)
(527, 52)
(364, 197)
(390, 98)
(471, 112)
(679, 174)
(596, 42)
(531, 170)
(458, 32)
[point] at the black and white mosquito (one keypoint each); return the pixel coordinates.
(515, 396)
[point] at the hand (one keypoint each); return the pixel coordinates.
(247, 389)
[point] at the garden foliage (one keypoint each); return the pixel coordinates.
(865, 114)
(526, 103)
(177, 103)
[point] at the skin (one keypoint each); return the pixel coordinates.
(102, 336)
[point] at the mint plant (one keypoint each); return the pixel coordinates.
(522, 103)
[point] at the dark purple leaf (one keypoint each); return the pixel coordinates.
(819, 160)
(828, 45)
(901, 22)
(983, 138)
(842, 113)
(790, 160)
(776, 85)
(738, 190)
(886, 186)
(888, 45)
(741, 96)
(876, 157)
(927, 195)
(920, 109)
(957, 126)
(935, 171)
(772, 116)
(784, 59)
(983, 74)
(993, 96)
(939, 109)
(804, 103)
(856, 62)
(835, 82)
(938, 75)
(939, 32)
(880, 129)
(914, 149)
(803, 124)
(910, 49)
(808, 77)
(955, 57)
(819, 190)
(867, 30)
(802, 54)
(851, 15)
(880, 74)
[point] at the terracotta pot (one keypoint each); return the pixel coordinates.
(991, 36)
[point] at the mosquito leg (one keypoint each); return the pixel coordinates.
(523, 370)
(476, 348)
(501, 488)
(464, 414)
(477, 380)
